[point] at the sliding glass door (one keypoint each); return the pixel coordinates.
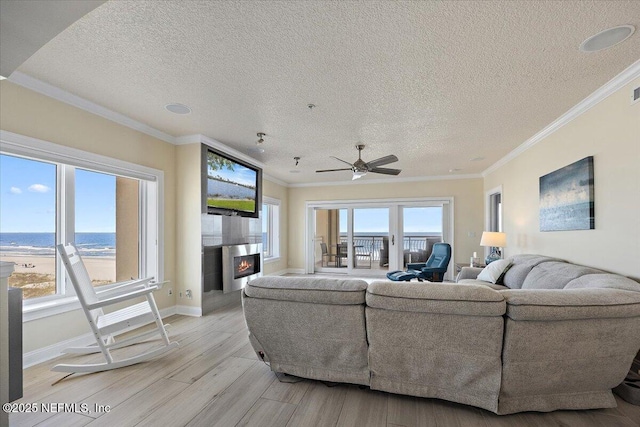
(421, 228)
(372, 238)
(329, 253)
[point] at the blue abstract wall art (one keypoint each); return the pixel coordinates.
(566, 198)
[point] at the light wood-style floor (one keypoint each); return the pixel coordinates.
(215, 379)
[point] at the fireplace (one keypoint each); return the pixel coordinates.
(246, 265)
(240, 264)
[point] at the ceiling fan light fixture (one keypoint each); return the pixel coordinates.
(357, 175)
(360, 168)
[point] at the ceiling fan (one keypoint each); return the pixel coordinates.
(360, 167)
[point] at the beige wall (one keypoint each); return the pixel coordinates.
(277, 191)
(188, 225)
(468, 214)
(610, 132)
(28, 113)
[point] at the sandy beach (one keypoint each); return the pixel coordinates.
(99, 268)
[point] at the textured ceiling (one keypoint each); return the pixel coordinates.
(436, 83)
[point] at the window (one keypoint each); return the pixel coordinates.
(270, 228)
(28, 191)
(51, 194)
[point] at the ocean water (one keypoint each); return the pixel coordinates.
(43, 244)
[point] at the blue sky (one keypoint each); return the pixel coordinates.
(28, 193)
(239, 174)
(377, 220)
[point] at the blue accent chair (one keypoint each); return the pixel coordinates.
(433, 270)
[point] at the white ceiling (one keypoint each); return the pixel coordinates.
(25, 26)
(436, 83)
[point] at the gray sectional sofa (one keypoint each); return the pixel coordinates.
(555, 335)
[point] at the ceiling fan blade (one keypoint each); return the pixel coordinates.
(334, 170)
(382, 161)
(386, 171)
(343, 161)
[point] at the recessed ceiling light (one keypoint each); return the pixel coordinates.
(607, 38)
(178, 108)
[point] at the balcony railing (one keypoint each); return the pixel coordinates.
(372, 244)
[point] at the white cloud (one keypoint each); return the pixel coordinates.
(15, 190)
(39, 188)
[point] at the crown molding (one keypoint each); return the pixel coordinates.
(387, 180)
(275, 180)
(61, 95)
(618, 82)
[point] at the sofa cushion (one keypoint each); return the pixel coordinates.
(319, 290)
(569, 304)
(449, 298)
(494, 272)
(555, 275)
(483, 283)
(522, 265)
(606, 280)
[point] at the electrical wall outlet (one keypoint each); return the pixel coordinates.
(170, 292)
(188, 293)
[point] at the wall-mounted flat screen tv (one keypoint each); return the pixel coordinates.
(230, 186)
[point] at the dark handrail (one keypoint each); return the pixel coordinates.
(372, 244)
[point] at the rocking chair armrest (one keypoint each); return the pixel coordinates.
(131, 284)
(121, 298)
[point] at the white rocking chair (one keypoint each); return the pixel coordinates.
(106, 326)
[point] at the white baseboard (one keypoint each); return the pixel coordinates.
(52, 351)
(188, 310)
(295, 271)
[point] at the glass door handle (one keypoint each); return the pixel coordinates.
(393, 239)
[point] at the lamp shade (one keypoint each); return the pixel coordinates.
(493, 239)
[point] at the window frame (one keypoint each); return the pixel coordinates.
(151, 211)
(273, 224)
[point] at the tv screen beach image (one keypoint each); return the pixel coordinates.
(230, 185)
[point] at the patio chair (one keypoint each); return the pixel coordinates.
(362, 252)
(326, 255)
(106, 326)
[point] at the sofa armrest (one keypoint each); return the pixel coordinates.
(468, 273)
(449, 298)
(569, 304)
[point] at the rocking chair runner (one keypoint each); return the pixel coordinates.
(106, 326)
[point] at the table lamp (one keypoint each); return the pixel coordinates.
(495, 241)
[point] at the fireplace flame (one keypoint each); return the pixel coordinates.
(243, 266)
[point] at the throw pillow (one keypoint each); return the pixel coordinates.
(495, 271)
